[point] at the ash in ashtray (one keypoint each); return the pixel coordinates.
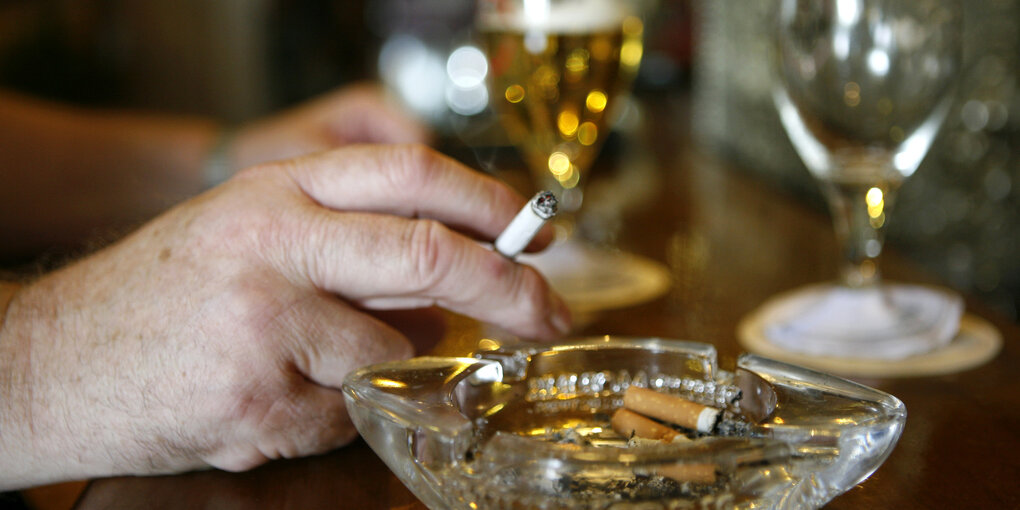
(639, 488)
(569, 436)
(733, 425)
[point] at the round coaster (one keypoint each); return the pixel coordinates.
(976, 342)
(591, 279)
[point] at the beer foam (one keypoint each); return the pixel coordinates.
(564, 17)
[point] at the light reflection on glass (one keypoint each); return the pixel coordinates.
(596, 101)
(878, 61)
(848, 11)
(467, 67)
(577, 62)
(587, 133)
(388, 383)
(559, 164)
(466, 92)
(514, 93)
(630, 53)
(874, 199)
(567, 122)
(571, 179)
(852, 94)
(415, 73)
(633, 26)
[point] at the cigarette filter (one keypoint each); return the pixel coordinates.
(519, 233)
(697, 473)
(627, 423)
(671, 409)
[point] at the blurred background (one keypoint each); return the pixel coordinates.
(235, 60)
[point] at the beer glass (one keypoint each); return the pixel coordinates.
(862, 87)
(557, 70)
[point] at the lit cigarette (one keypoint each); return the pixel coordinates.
(671, 409)
(628, 423)
(519, 233)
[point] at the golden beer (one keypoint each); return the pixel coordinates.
(555, 85)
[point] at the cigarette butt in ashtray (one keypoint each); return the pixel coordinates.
(671, 409)
(628, 423)
(697, 473)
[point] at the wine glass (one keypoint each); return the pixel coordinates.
(557, 70)
(862, 87)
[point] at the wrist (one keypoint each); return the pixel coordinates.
(7, 292)
(39, 443)
(13, 411)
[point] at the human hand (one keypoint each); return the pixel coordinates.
(219, 333)
(353, 114)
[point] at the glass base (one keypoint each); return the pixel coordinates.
(592, 279)
(889, 321)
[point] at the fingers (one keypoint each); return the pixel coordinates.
(411, 181)
(309, 420)
(382, 261)
(367, 117)
(328, 339)
(302, 411)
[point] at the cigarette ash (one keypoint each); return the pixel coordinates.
(545, 204)
(733, 425)
(592, 487)
(639, 488)
(569, 436)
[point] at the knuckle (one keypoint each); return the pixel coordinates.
(252, 173)
(428, 246)
(530, 292)
(496, 268)
(331, 428)
(284, 411)
(295, 427)
(238, 459)
(244, 349)
(235, 225)
(415, 168)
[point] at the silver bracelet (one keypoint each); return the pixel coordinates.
(217, 168)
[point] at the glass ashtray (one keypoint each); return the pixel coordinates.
(528, 426)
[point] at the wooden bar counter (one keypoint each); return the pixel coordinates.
(730, 242)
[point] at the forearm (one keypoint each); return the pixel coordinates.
(44, 433)
(14, 419)
(68, 173)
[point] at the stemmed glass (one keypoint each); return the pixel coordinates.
(862, 87)
(557, 69)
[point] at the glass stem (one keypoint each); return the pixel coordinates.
(859, 214)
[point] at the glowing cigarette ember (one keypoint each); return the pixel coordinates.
(519, 233)
(671, 409)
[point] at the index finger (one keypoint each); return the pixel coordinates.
(411, 181)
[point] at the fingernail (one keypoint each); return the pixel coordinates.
(559, 315)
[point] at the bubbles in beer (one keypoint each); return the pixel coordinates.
(557, 99)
